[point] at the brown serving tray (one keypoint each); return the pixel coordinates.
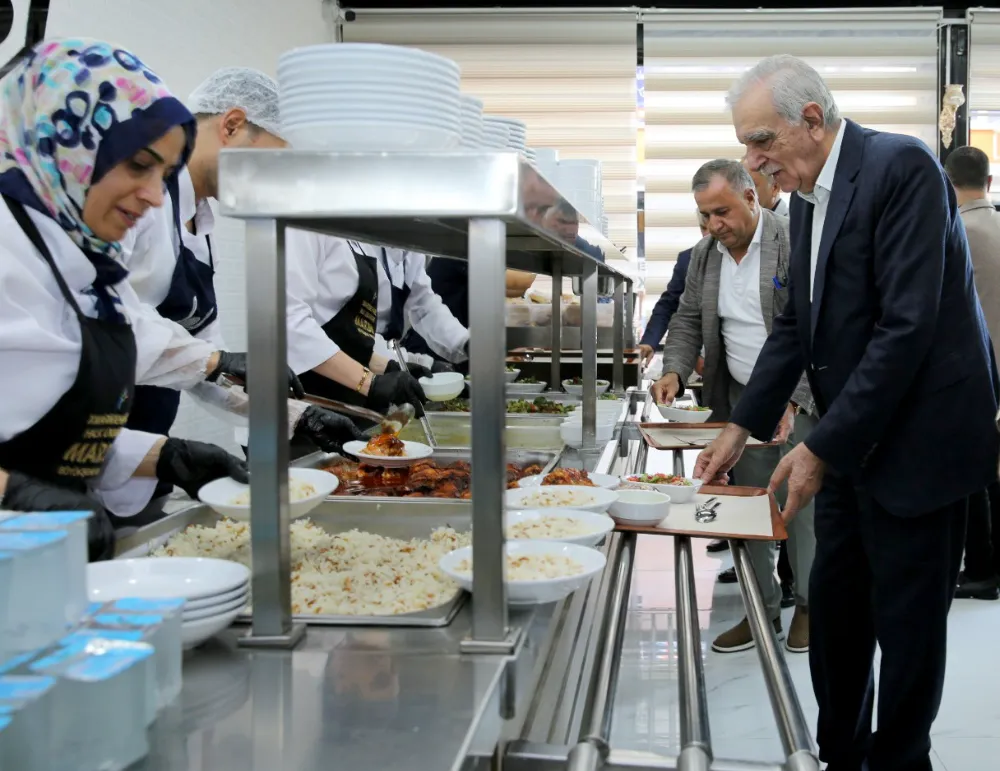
(779, 533)
(654, 443)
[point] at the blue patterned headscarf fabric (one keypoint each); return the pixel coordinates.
(70, 111)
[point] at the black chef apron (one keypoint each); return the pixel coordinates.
(400, 294)
(190, 302)
(68, 445)
(353, 330)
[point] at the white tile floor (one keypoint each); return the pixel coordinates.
(966, 736)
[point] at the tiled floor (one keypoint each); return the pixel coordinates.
(966, 736)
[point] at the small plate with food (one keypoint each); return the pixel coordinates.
(389, 451)
(680, 489)
(595, 499)
(563, 525)
(535, 571)
(307, 488)
(571, 476)
(687, 413)
(575, 386)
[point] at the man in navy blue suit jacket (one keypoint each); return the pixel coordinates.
(884, 318)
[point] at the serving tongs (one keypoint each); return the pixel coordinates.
(425, 424)
(392, 422)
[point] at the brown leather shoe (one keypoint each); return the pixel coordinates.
(740, 638)
(798, 631)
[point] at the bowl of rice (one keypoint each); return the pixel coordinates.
(563, 525)
(307, 488)
(595, 499)
(536, 571)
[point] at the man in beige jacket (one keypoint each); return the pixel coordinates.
(968, 169)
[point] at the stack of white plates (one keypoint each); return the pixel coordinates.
(517, 135)
(529, 154)
(472, 122)
(579, 181)
(547, 162)
(496, 135)
(369, 97)
(214, 591)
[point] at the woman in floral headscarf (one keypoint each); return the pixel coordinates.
(88, 137)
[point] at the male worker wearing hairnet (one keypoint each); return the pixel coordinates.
(171, 263)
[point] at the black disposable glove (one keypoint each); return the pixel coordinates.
(441, 366)
(26, 493)
(395, 388)
(417, 370)
(235, 364)
(328, 430)
(192, 465)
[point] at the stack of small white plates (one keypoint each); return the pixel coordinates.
(496, 135)
(472, 122)
(579, 181)
(214, 591)
(369, 97)
(529, 154)
(547, 162)
(517, 132)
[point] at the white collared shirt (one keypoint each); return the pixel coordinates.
(150, 249)
(820, 199)
(740, 312)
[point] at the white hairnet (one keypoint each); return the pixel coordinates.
(250, 90)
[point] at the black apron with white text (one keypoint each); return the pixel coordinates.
(190, 302)
(67, 447)
(352, 329)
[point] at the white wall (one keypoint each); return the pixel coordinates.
(184, 41)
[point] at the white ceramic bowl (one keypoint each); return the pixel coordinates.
(606, 481)
(189, 578)
(677, 493)
(442, 386)
(602, 386)
(221, 493)
(547, 497)
(215, 610)
(366, 53)
(640, 507)
(683, 416)
(194, 633)
(571, 432)
(513, 389)
(604, 409)
(414, 451)
(597, 525)
(534, 591)
(510, 377)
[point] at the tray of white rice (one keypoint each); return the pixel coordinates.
(351, 577)
(535, 572)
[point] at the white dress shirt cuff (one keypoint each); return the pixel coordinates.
(118, 490)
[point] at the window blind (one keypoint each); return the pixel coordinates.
(569, 77)
(880, 65)
(984, 63)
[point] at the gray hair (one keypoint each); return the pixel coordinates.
(734, 173)
(794, 84)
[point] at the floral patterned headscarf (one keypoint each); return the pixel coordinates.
(69, 112)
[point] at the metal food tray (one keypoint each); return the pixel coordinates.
(390, 517)
(547, 460)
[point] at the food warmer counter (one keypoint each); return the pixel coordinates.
(498, 686)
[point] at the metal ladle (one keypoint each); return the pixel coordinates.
(424, 423)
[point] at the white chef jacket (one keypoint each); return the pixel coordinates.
(322, 276)
(740, 310)
(40, 349)
(150, 249)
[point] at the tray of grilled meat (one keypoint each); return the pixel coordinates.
(447, 475)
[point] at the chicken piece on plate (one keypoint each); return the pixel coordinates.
(568, 476)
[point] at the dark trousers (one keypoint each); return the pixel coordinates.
(885, 579)
(785, 573)
(982, 558)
